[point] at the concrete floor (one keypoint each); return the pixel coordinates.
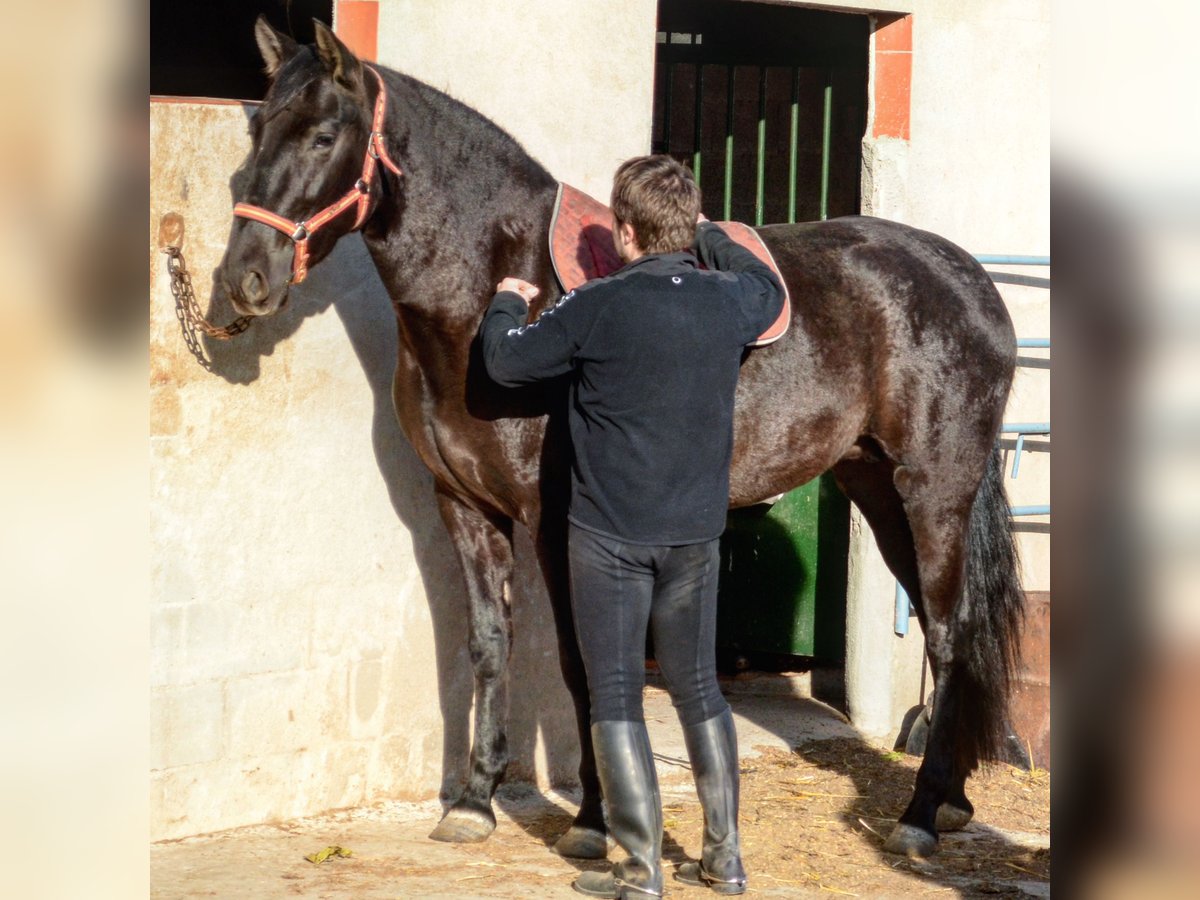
(393, 856)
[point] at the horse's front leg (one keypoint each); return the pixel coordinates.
(587, 837)
(484, 546)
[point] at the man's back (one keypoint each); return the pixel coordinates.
(652, 407)
(656, 349)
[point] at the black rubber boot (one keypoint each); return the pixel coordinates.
(630, 786)
(712, 749)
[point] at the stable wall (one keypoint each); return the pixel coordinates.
(572, 83)
(294, 656)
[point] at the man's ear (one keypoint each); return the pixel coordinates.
(276, 48)
(628, 235)
(343, 65)
(625, 240)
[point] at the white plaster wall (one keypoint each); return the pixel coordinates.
(979, 169)
(572, 82)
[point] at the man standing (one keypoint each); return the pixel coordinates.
(654, 350)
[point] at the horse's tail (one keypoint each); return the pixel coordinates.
(990, 621)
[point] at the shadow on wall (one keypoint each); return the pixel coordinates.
(348, 282)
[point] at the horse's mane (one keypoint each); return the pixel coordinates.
(465, 148)
(467, 137)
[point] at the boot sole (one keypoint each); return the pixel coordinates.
(701, 880)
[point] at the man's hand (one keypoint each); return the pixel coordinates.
(517, 286)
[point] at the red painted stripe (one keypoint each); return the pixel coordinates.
(894, 34)
(893, 78)
(358, 26)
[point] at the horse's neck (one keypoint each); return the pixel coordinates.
(465, 182)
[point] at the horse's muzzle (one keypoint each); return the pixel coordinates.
(251, 294)
(254, 288)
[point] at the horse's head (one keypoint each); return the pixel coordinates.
(313, 172)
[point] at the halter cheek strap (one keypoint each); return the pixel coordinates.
(300, 232)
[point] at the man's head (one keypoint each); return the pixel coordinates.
(655, 204)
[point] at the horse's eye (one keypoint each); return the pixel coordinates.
(324, 140)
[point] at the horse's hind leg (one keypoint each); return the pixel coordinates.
(484, 547)
(867, 480)
(990, 616)
(955, 811)
(922, 540)
(938, 506)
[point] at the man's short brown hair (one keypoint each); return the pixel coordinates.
(661, 200)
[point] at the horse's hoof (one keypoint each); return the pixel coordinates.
(464, 826)
(582, 843)
(911, 841)
(951, 818)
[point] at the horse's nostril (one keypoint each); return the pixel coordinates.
(254, 287)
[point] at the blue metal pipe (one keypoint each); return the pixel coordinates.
(1020, 429)
(1000, 259)
(903, 611)
(1031, 510)
(1044, 343)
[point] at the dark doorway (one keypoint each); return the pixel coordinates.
(206, 48)
(766, 103)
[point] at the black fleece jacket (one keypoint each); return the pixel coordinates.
(655, 348)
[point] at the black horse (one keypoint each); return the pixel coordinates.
(894, 375)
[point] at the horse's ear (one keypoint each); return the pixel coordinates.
(276, 48)
(341, 63)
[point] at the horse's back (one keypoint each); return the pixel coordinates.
(894, 332)
(864, 266)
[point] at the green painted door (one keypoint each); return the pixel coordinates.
(783, 576)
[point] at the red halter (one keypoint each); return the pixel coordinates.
(300, 232)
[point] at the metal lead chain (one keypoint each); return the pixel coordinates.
(187, 310)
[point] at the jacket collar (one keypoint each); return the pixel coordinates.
(665, 260)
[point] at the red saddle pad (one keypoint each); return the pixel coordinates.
(581, 248)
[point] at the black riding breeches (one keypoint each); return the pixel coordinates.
(618, 590)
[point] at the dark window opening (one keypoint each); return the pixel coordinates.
(766, 103)
(206, 48)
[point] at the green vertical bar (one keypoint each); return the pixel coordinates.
(793, 151)
(729, 145)
(825, 134)
(760, 174)
(696, 132)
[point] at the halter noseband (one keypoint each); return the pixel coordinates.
(300, 232)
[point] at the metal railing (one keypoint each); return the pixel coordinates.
(793, 131)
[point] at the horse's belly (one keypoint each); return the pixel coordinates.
(788, 431)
